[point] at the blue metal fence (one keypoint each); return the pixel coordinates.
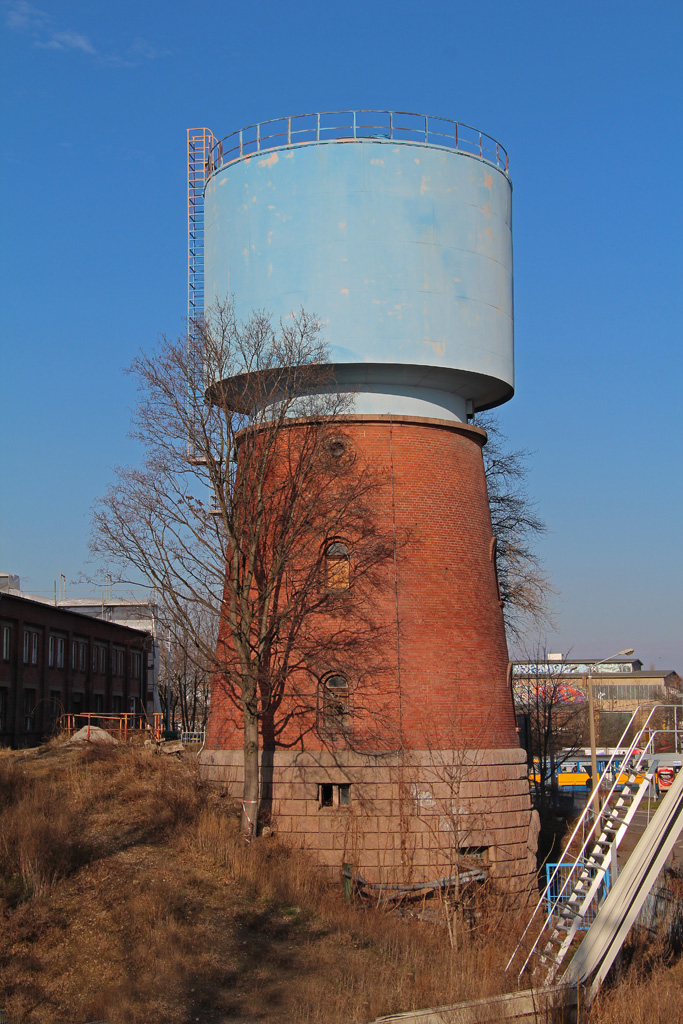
(556, 884)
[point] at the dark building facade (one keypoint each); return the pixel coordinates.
(54, 661)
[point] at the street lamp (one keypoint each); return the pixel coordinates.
(588, 682)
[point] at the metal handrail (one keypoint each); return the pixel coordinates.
(128, 722)
(350, 125)
(552, 872)
(194, 736)
(590, 838)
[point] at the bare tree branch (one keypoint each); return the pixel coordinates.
(242, 487)
(556, 714)
(525, 588)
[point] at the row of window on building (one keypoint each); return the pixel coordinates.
(56, 654)
(55, 707)
(630, 691)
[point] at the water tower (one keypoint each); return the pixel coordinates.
(395, 229)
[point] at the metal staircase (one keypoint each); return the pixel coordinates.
(604, 939)
(555, 920)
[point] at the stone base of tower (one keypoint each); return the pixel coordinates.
(414, 818)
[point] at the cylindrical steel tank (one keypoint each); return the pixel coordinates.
(400, 241)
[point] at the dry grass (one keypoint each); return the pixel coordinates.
(127, 895)
(648, 991)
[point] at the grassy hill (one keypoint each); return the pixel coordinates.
(128, 896)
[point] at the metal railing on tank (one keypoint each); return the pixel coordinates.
(351, 125)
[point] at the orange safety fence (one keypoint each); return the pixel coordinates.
(125, 725)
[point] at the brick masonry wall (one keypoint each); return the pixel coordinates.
(438, 681)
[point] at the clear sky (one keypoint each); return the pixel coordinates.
(585, 96)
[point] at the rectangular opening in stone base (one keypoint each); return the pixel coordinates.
(475, 855)
(334, 795)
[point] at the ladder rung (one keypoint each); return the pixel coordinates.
(523, 945)
(564, 905)
(549, 954)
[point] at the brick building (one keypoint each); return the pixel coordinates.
(53, 661)
(620, 686)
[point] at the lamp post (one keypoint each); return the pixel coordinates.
(588, 682)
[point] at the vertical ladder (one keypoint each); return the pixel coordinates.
(200, 155)
(589, 866)
(200, 146)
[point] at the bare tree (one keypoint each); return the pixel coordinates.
(525, 588)
(555, 711)
(185, 673)
(246, 484)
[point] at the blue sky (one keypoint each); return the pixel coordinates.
(586, 97)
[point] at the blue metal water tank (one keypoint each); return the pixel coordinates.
(399, 239)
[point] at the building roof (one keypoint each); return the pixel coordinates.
(606, 677)
(44, 604)
(118, 610)
(651, 673)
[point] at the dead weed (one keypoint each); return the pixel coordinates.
(127, 895)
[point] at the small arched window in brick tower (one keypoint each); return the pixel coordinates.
(334, 704)
(337, 566)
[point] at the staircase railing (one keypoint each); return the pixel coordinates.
(575, 895)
